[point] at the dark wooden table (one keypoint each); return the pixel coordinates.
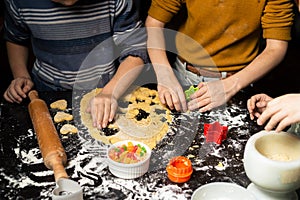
(24, 176)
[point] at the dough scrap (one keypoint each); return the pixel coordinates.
(59, 104)
(68, 128)
(62, 116)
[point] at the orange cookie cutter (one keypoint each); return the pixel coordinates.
(179, 169)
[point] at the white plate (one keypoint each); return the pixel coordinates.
(222, 191)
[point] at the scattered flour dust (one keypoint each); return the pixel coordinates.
(226, 117)
(232, 117)
(169, 192)
(31, 157)
(89, 166)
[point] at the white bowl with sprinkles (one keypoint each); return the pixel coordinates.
(128, 159)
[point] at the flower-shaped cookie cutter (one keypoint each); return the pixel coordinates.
(215, 132)
(179, 169)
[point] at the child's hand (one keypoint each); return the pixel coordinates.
(103, 108)
(18, 89)
(257, 104)
(281, 112)
(190, 91)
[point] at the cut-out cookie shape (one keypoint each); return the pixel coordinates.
(59, 104)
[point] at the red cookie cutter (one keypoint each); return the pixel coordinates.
(215, 132)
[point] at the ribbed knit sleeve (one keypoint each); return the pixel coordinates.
(164, 10)
(277, 19)
(129, 33)
(77, 44)
(15, 30)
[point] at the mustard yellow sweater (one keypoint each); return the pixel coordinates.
(225, 33)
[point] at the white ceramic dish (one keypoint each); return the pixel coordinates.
(129, 171)
(222, 191)
(277, 156)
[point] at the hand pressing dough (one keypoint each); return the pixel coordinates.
(140, 117)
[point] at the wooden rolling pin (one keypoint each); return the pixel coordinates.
(53, 153)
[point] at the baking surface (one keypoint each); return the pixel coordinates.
(24, 176)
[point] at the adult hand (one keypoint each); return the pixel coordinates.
(281, 111)
(212, 94)
(102, 108)
(257, 104)
(18, 89)
(171, 93)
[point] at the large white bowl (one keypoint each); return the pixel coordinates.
(222, 191)
(264, 163)
(129, 171)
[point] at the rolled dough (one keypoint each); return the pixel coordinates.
(144, 118)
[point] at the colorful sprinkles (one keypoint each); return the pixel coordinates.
(128, 154)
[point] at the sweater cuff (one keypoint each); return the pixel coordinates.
(142, 54)
(278, 33)
(159, 13)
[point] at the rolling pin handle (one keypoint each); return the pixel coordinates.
(56, 161)
(59, 171)
(33, 95)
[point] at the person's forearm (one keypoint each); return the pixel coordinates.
(18, 58)
(126, 74)
(298, 4)
(271, 56)
(156, 48)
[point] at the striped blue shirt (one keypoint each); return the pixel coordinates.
(76, 44)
